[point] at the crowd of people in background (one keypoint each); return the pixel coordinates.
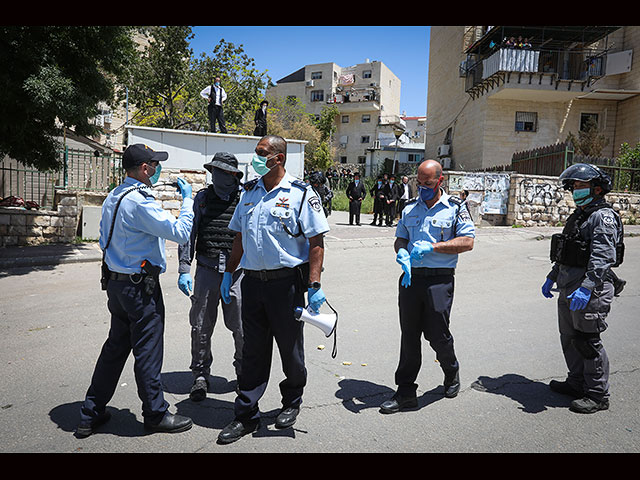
(512, 42)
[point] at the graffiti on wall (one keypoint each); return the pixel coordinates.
(530, 193)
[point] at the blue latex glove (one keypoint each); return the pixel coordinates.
(316, 299)
(420, 249)
(579, 298)
(546, 288)
(185, 283)
(404, 259)
(225, 287)
(184, 188)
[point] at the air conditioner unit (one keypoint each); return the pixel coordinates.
(309, 83)
(446, 163)
(444, 150)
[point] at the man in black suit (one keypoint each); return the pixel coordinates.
(379, 201)
(356, 192)
(405, 194)
(391, 193)
(260, 120)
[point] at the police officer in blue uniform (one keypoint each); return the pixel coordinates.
(433, 229)
(583, 255)
(211, 242)
(132, 239)
(280, 246)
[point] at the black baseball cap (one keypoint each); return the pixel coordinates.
(138, 153)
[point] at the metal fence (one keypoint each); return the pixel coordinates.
(81, 170)
(552, 160)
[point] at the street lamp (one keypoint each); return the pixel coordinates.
(397, 132)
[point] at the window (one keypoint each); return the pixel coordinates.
(415, 157)
(291, 99)
(366, 118)
(316, 75)
(364, 139)
(362, 160)
(345, 118)
(526, 121)
(317, 95)
(343, 159)
(366, 74)
(588, 120)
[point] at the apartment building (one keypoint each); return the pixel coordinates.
(367, 96)
(488, 99)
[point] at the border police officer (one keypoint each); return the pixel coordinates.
(583, 255)
(280, 225)
(132, 239)
(433, 229)
(211, 241)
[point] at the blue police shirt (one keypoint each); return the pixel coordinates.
(443, 221)
(141, 228)
(260, 216)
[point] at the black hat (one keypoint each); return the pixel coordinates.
(224, 161)
(138, 153)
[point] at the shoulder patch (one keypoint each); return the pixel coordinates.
(456, 200)
(250, 184)
(300, 184)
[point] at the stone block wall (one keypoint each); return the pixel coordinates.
(19, 227)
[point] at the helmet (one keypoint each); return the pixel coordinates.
(317, 178)
(585, 172)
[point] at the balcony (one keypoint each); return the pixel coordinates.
(541, 60)
(549, 69)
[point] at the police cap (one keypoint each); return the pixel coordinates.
(585, 172)
(138, 153)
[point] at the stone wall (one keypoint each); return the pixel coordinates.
(536, 200)
(36, 227)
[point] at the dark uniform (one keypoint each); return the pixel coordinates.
(379, 202)
(356, 193)
(133, 260)
(260, 120)
(211, 242)
(583, 255)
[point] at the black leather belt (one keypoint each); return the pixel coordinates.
(265, 275)
(430, 272)
(126, 276)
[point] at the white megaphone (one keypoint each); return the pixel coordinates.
(324, 321)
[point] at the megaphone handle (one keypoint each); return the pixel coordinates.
(335, 332)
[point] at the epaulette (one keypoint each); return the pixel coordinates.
(456, 200)
(300, 184)
(412, 200)
(250, 184)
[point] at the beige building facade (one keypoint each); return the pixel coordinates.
(367, 96)
(487, 100)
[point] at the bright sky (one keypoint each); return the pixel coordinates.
(282, 50)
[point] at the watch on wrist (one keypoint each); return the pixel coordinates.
(314, 285)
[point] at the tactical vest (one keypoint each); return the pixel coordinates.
(570, 249)
(213, 232)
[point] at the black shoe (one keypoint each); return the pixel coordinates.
(565, 388)
(236, 430)
(372, 223)
(87, 427)
(287, 417)
(398, 403)
(199, 389)
(451, 386)
(170, 423)
(588, 405)
(618, 286)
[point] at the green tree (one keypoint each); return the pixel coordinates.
(243, 83)
(158, 81)
(54, 77)
(629, 157)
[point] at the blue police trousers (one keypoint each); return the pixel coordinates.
(137, 324)
(424, 310)
(268, 314)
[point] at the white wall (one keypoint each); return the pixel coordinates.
(191, 150)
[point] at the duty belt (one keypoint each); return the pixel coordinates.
(430, 272)
(265, 275)
(134, 277)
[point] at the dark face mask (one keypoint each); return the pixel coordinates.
(224, 184)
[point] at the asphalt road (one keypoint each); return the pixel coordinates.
(53, 321)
